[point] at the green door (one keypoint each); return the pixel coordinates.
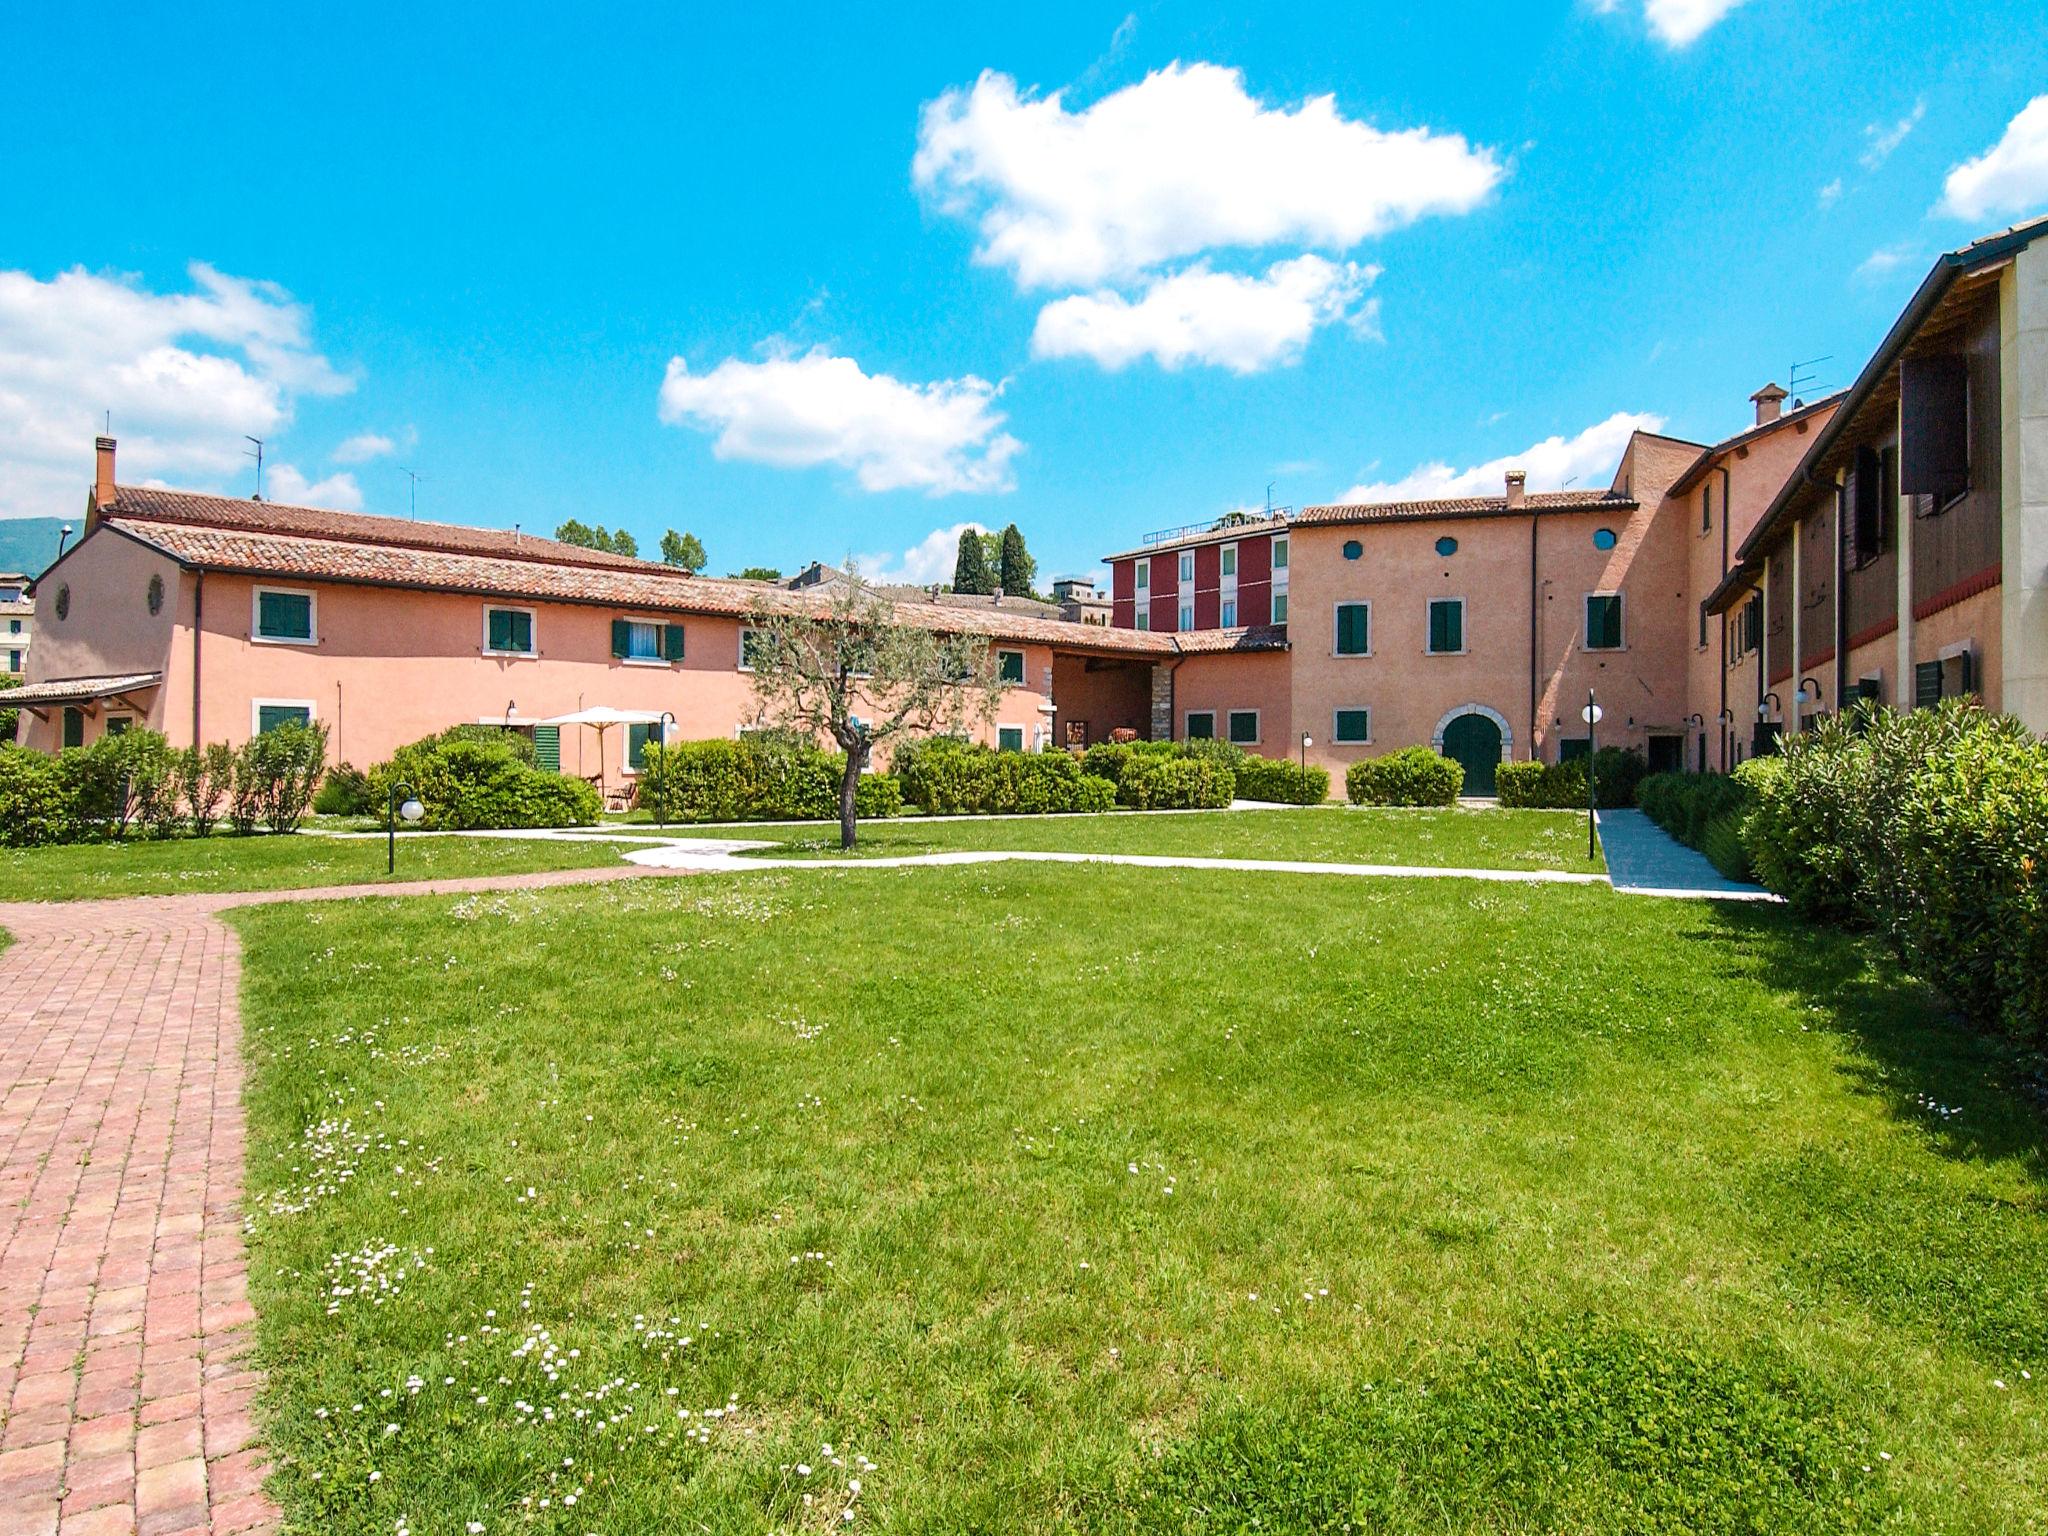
(1474, 742)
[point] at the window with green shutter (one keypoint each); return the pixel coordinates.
(1446, 625)
(270, 716)
(1603, 621)
(1572, 748)
(120, 725)
(509, 631)
(547, 748)
(1926, 684)
(1354, 629)
(637, 737)
(622, 637)
(750, 643)
(74, 727)
(1201, 725)
(1353, 726)
(1010, 738)
(1244, 726)
(284, 615)
(1010, 666)
(671, 642)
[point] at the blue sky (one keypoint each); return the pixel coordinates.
(1093, 269)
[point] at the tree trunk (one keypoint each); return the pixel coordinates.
(856, 760)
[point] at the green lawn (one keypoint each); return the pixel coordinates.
(1035, 1199)
(1459, 839)
(139, 868)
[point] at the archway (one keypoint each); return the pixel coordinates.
(1478, 739)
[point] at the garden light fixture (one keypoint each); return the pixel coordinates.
(411, 810)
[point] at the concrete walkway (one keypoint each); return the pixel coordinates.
(1645, 860)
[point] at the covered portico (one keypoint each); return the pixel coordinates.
(76, 711)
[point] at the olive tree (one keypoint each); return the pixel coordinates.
(853, 670)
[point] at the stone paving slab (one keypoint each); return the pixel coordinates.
(1645, 860)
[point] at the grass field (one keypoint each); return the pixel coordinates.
(1022, 1199)
(1458, 839)
(139, 868)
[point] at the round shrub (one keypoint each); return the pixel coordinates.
(1281, 783)
(1410, 776)
(1542, 786)
(465, 784)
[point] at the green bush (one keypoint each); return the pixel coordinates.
(1281, 783)
(945, 776)
(465, 782)
(1166, 775)
(1616, 773)
(203, 776)
(763, 776)
(1410, 776)
(344, 792)
(1542, 786)
(35, 800)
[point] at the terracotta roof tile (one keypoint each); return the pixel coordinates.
(77, 690)
(1465, 506)
(1253, 637)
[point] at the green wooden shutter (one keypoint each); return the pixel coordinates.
(1011, 666)
(547, 748)
(637, 737)
(284, 616)
(270, 716)
(622, 637)
(1926, 684)
(1353, 633)
(1010, 738)
(1352, 725)
(1201, 726)
(672, 642)
(1446, 625)
(499, 631)
(74, 727)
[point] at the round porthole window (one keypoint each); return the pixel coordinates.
(1353, 549)
(1603, 538)
(156, 595)
(64, 601)
(1447, 545)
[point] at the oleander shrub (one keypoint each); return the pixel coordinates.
(203, 776)
(468, 782)
(763, 776)
(35, 800)
(285, 764)
(1281, 783)
(1542, 786)
(945, 776)
(344, 792)
(1410, 776)
(1616, 773)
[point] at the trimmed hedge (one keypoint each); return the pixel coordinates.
(763, 776)
(466, 783)
(1167, 775)
(1281, 783)
(1410, 776)
(945, 776)
(1618, 772)
(1707, 811)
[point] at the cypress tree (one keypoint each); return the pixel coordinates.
(970, 570)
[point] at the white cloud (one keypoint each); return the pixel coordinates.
(1245, 324)
(2009, 178)
(363, 447)
(1830, 194)
(1588, 459)
(798, 410)
(1881, 139)
(283, 483)
(930, 559)
(1676, 23)
(185, 375)
(1182, 162)
(1886, 260)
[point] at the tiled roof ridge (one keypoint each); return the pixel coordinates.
(1452, 506)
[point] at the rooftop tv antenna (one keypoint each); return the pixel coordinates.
(1269, 498)
(258, 457)
(1804, 378)
(415, 477)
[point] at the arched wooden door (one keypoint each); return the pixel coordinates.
(1473, 741)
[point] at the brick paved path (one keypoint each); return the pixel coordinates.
(126, 1381)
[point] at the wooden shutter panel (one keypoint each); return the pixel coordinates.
(1866, 487)
(1926, 684)
(622, 637)
(547, 748)
(499, 636)
(672, 642)
(1934, 426)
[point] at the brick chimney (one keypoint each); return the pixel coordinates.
(103, 472)
(1770, 402)
(1517, 493)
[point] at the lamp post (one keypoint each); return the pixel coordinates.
(1809, 693)
(661, 785)
(412, 810)
(1591, 715)
(1765, 705)
(1305, 745)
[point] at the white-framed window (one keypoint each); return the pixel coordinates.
(1187, 566)
(748, 638)
(1279, 605)
(1230, 612)
(1010, 666)
(639, 736)
(1446, 631)
(1144, 576)
(1187, 591)
(1187, 614)
(1009, 738)
(1244, 727)
(1227, 580)
(646, 642)
(1144, 616)
(1604, 622)
(1351, 727)
(284, 616)
(509, 632)
(1353, 630)
(1199, 725)
(1227, 559)
(269, 714)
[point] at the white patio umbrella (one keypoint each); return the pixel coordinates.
(601, 718)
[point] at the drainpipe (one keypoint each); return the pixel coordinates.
(1841, 600)
(1727, 746)
(198, 632)
(1534, 648)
